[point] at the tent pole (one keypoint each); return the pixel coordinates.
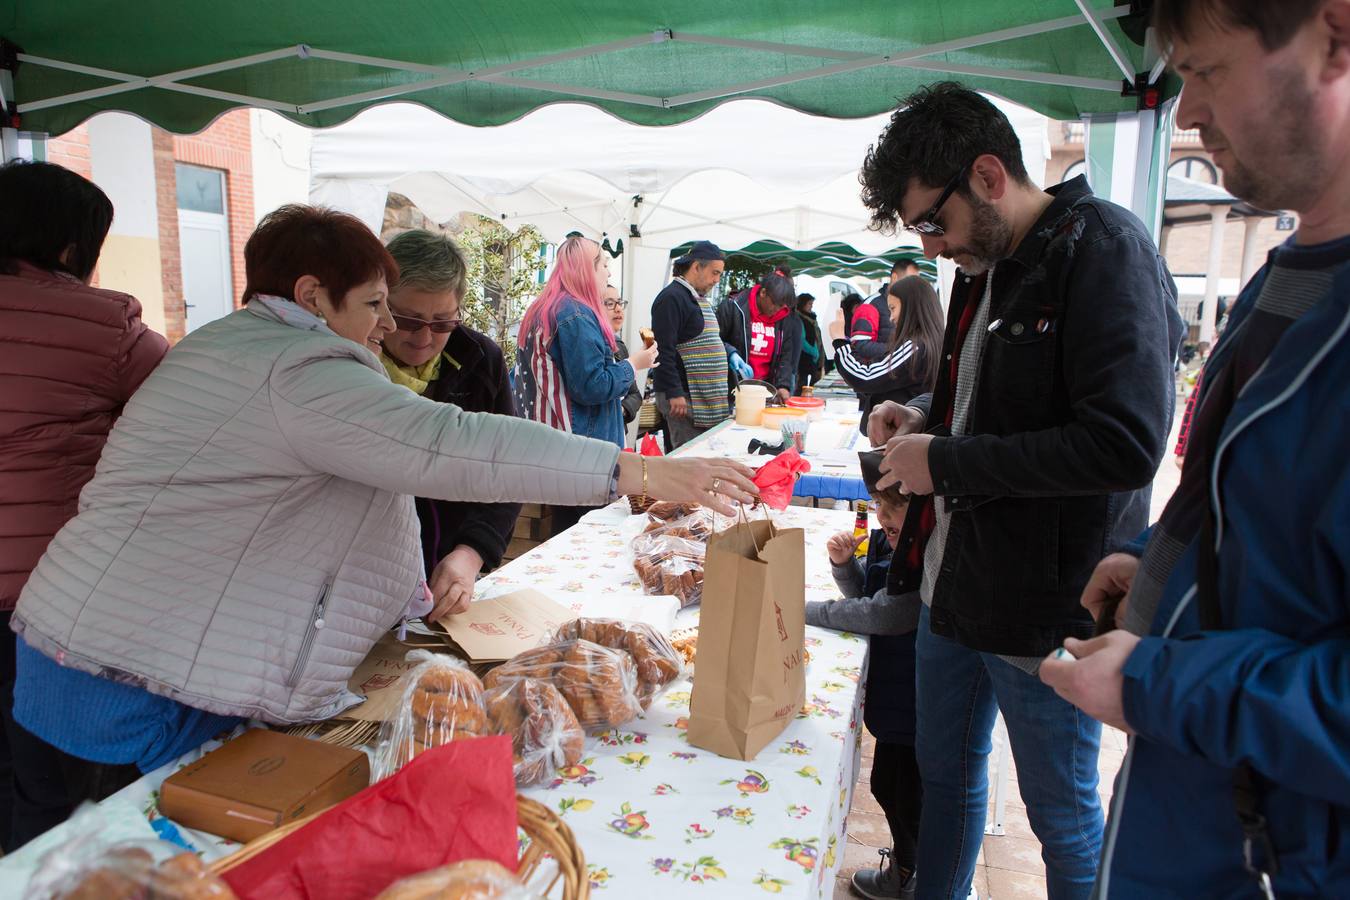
(1116, 52)
(630, 250)
(14, 143)
(1218, 218)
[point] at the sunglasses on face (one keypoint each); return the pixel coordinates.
(413, 324)
(616, 305)
(925, 224)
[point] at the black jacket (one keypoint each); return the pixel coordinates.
(676, 317)
(733, 318)
(632, 401)
(1069, 420)
(478, 384)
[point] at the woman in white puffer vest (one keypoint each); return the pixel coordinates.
(250, 532)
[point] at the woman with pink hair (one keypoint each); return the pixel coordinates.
(566, 374)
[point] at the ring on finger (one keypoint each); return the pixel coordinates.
(717, 483)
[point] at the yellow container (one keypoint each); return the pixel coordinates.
(775, 416)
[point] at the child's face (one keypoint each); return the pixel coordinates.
(890, 516)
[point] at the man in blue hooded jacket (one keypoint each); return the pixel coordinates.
(1237, 782)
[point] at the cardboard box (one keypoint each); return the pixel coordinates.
(259, 781)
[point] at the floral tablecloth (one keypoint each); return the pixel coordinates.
(655, 816)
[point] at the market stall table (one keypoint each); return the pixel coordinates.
(832, 445)
(653, 814)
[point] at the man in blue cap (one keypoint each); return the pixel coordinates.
(691, 385)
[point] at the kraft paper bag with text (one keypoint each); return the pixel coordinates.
(749, 679)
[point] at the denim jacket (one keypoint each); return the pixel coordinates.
(594, 381)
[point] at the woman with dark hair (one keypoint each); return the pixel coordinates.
(910, 365)
(811, 367)
(251, 532)
(762, 336)
(73, 355)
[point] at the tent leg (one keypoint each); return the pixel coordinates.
(1127, 157)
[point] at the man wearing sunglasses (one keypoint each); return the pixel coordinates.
(436, 356)
(1033, 454)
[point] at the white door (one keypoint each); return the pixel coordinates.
(204, 244)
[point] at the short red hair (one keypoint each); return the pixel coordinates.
(334, 247)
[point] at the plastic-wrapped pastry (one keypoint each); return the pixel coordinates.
(545, 734)
(599, 683)
(442, 702)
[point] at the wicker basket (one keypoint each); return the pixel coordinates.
(550, 838)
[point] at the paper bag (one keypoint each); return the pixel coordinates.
(497, 629)
(749, 682)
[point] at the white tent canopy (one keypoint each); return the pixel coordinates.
(744, 171)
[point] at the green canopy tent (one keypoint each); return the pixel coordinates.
(180, 65)
(831, 258)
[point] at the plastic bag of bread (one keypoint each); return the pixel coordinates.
(85, 868)
(598, 683)
(544, 732)
(658, 663)
(696, 524)
(668, 564)
(442, 702)
(470, 879)
(669, 510)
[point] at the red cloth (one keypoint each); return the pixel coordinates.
(649, 447)
(73, 356)
(450, 803)
(777, 477)
(763, 336)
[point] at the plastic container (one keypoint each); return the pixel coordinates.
(775, 416)
(814, 407)
(750, 400)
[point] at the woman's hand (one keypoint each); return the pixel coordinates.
(452, 582)
(842, 546)
(644, 358)
(714, 483)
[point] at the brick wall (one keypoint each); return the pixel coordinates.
(72, 151)
(170, 256)
(1187, 246)
(227, 144)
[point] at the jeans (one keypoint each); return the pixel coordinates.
(1055, 748)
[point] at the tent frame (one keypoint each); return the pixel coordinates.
(441, 76)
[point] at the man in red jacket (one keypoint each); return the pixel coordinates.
(73, 356)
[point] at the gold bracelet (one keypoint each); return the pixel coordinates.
(644, 479)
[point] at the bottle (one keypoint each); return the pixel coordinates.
(860, 530)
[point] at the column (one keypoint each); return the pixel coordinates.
(1218, 218)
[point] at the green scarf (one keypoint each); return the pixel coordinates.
(414, 378)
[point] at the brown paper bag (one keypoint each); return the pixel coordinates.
(749, 680)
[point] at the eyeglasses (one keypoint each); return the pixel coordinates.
(616, 305)
(925, 224)
(437, 326)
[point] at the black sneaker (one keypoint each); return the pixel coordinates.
(889, 882)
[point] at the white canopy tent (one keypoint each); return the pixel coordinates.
(744, 171)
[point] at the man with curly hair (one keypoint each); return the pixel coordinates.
(1032, 457)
